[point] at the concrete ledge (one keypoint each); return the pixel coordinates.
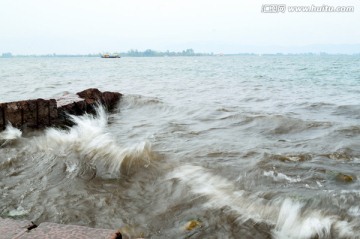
(13, 229)
(40, 112)
(58, 231)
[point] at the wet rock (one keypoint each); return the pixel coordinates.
(291, 158)
(193, 224)
(341, 155)
(344, 178)
(46, 112)
(31, 113)
(93, 96)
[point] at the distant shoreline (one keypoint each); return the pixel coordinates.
(184, 53)
(208, 55)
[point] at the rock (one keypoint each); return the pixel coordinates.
(31, 113)
(191, 225)
(40, 112)
(344, 178)
(93, 96)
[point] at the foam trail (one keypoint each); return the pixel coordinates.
(89, 140)
(10, 134)
(281, 177)
(288, 218)
(222, 193)
(293, 223)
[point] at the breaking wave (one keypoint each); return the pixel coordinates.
(91, 144)
(286, 217)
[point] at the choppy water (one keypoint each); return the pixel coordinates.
(242, 147)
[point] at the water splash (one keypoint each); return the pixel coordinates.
(296, 221)
(281, 177)
(91, 143)
(10, 134)
(223, 193)
(288, 218)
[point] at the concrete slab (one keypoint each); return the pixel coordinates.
(12, 229)
(49, 230)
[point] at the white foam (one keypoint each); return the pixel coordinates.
(319, 184)
(71, 167)
(281, 177)
(222, 193)
(295, 223)
(289, 218)
(20, 211)
(10, 134)
(354, 211)
(89, 140)
(291, 224)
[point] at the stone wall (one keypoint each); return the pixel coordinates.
(40, 112)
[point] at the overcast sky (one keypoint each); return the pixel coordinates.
(227, 26)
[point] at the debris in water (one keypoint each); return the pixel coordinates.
(191, 225)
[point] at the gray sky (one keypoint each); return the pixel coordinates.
(227, 26)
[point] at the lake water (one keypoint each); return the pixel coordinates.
(199, 147)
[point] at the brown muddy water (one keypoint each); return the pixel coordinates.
(199, 147)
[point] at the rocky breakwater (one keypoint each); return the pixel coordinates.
(39, 113)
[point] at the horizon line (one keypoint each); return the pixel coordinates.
(126, 54)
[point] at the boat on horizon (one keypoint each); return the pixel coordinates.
(110, 56)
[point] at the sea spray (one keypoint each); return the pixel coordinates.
(288, 218)
(10, 134)
(89, 140)
(223, 193)
(299, 222)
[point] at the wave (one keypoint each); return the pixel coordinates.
(276, 124)
(139, 101)
(221, 193)
(92, 145)
(347, 132)
(281, 177)
(285, 217)
(318, 105)
(348, 110)
(295, 221)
